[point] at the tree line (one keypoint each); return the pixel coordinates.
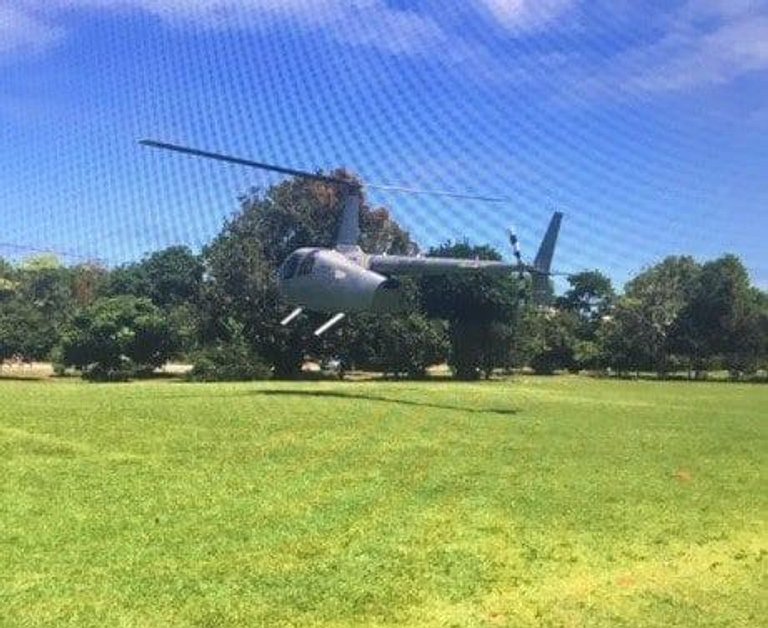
(220, 309)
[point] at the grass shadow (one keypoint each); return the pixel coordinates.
(23, 378)
(333, 394)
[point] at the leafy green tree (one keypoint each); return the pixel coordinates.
(173, 280)
(128, 279)
(750, 352)
(8, 282)
(590, 295)
(230, 359)
(241, 285)
(590, 298)
(36, 302)
(175, 276)
(46, 283)
(38, 299)
(7, 269)
(168, 278)
(393, 344)
(479, 308)
(723, 319)
(627, 340)
(555, 341)
(655, 299)
(24, 331)
(87, 282)
(117, 337)
(44, 261)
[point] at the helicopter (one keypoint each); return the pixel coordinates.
(346, 279)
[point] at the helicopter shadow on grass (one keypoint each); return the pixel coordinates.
(23, 378)
(333, 394)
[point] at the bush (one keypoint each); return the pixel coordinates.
(397, 345)
(102, 373)
(228, 362)
(116, 338)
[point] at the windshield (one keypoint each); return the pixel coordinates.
(288, 269)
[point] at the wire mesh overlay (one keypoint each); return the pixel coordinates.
(570, 106)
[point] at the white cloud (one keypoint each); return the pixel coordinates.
(526, 15)
(513, 14)
(702, 42)
(722, 9)
(730, 50)
(30, 24)
(23, 32)
(216, 13)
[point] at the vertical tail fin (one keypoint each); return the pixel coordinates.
(543, 260)
(541, 285)
(348, 234)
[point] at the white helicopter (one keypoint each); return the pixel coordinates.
(345, 279)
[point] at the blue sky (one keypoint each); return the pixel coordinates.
(646, 123)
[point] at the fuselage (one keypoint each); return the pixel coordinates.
(326, 280)
(348, 280)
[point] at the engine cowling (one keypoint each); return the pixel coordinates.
(389, 296)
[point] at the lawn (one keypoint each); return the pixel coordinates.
(535, 502)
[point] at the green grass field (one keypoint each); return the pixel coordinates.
(537, 502)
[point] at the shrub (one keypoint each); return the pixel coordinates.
(117, 338)
(228, 362)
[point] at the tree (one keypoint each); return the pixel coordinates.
(555, 341)
(589, 299)
(46, 283)
(724, 318)
(590, 295)
(36, 302)
(655, 299)
(628, 340)
(7, 288)
(480, 310)
(168, 278)
(8, 283)
(229, 359)
(393, 344)
(24, 331)
(173, 280)
(87, 281)
(749, 352)
(117, 337)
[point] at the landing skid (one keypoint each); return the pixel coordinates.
(334, 320)
(291, 316)
(329, 323)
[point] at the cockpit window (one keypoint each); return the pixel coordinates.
(289, 267)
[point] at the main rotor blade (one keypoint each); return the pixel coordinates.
(311, 175)
(245, 162)
(407, 190)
